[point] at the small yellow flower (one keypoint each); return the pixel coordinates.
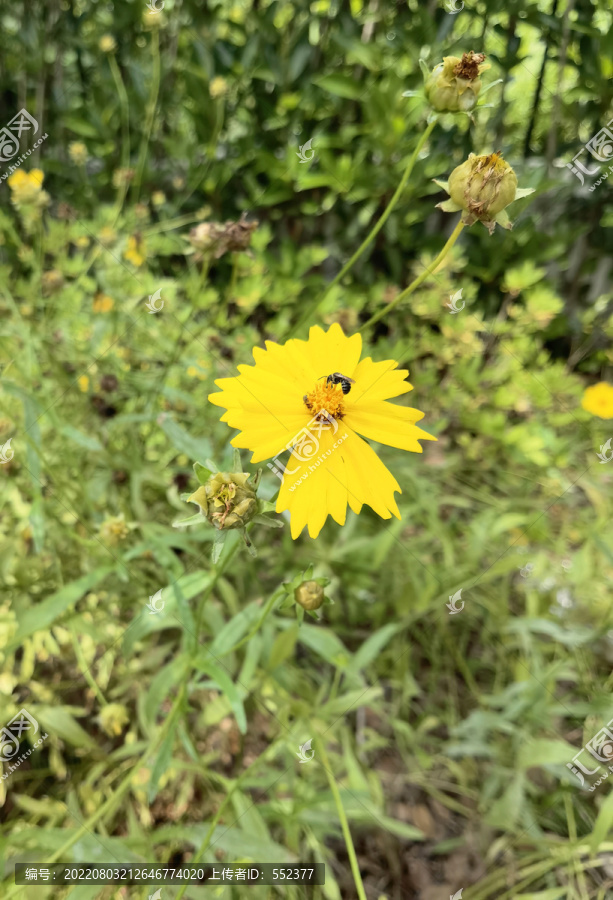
(158, 198)
(113, 718)
(598, 400)
(107, 43)
(26, 188)
(123, 177)
(103, 303)
(135, 252)
(113, 530)
(218, 87)
(83, 383)
(77, 151)
(284, 400)
(82, 242)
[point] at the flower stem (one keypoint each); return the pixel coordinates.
(153, 99)
(355, 869)
(421, 278)
(374, 231)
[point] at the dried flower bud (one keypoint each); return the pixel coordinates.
(226, 500)
(482, 187)
(210, 237)
(113, 717)
(454, 85)
(309, 595)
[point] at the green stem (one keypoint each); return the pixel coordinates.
(415, 284)
(124, 106)
(155, 87)
(374, 231)
(344, 824)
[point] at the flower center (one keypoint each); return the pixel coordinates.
(328, 397)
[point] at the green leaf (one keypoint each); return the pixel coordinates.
(218, 545)
(283, 647)
(181, 440)
(371, 647)
(603, 824)
(191, 520)
(83, 440)
(161, 685)
(224, 683)
(60, 722)
(340, 85)
(202, 473)
(43, 615)
(542, 752)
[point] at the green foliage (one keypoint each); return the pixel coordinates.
(173, 727)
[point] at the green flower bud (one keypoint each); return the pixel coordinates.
(454, 85)
(309, 595)
(226, 500)
(482, 187)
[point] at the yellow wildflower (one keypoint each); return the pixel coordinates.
(77, 151)
(286, 400)
(135, 252)
(598, 400)
(218, 87)
(103, 303)
(107, 43)
(83, 382)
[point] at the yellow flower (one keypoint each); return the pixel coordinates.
(107, 43)
(482, 187)
(158, 198)
(103, 303)
(218, 87)
(26, 188)
(77, 151)
(136, 251)
(285, 400)
(107, 236)
(598, 400)
(83, 381)
(113, 530)
(113, 718)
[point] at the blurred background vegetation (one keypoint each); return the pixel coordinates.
(175, 735)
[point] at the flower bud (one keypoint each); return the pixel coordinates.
(454, 85)
(482, 187)
(226, 500)
(309, 595)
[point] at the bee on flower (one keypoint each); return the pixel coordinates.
(296, 396)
